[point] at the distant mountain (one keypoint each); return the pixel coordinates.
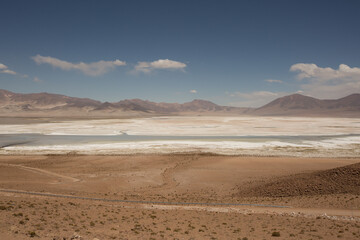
(299, 105)
(44, 99)
(15, 102)
(51, 105)
(196, 105)
(46, 104)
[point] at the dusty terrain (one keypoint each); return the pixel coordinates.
(134, 196)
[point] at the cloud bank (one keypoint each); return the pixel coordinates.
(147, 67)
(327, 82)
(91, 69)
(5, 69)
(193, 91)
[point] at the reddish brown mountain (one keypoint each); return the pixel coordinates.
(46, 104)
(44, 99)
(299, 105)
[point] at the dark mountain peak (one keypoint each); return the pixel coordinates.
(294, 101)
(351, 97)
(300, 105)
(105, 106)
(297, 97)
(201, 101)
(201, 105)
(351, 101)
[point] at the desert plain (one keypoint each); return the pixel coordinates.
(179, 196)
(183, 194)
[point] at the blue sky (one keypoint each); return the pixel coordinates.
(241, 53)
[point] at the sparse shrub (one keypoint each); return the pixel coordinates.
(275, 234)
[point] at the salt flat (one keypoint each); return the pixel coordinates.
(194, 126)
(290, 136)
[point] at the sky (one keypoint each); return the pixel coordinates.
(238, 53)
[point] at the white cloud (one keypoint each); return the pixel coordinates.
(273, 81)
(37, 80)
(92, 69)
(193, 91)
(5, 69)
(147, 67)
(327, 82)
(255, 94)
(8, 71)
(167, 64)
(143, 67)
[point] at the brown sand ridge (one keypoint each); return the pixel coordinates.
(339, 180)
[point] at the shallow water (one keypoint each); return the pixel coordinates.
(44, 140)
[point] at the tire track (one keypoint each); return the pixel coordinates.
(241, 208)
(41, 171)
(41, 194)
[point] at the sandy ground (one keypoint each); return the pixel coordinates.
(200, 183)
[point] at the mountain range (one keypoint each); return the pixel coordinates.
(52, 105)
